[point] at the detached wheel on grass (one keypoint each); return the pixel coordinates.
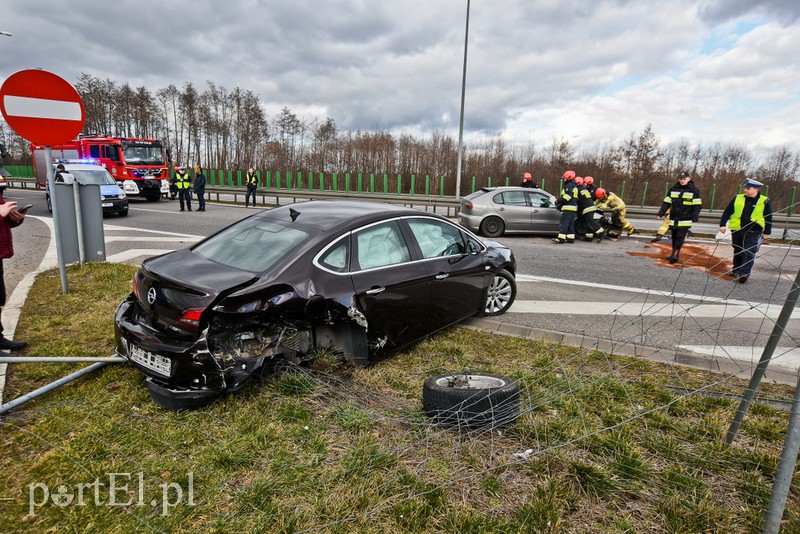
(471, 399)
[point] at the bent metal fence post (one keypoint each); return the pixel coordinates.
(100, 362)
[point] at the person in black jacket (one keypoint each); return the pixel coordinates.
(527, 180)
(200, 187)
(749, 217)
(683, 202)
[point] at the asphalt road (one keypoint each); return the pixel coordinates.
(621, 291)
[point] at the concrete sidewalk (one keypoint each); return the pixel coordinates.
(25, 250)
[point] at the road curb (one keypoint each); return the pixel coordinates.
(683, 358)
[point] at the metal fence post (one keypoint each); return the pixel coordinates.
(713, 193)
(769, 349)
(783, 478)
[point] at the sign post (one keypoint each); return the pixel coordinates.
(46, 110)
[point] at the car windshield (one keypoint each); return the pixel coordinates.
(143, 155)
(93, 176)
(253, 244)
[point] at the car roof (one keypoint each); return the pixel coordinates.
(329, 214)
(498, 189)
(81, 166)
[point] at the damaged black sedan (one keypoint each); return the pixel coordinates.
(359, 278)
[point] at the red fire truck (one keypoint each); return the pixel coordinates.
(138, 165)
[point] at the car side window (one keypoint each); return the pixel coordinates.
(540, 200)
(436, 238)
(381, 245)
(336, 258)
(514, 198)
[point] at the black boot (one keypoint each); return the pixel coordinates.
(7, 344)
(674, 257)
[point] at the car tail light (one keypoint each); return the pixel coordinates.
(190, 318)
(468, 205)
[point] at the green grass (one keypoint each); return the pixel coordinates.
(614, 446)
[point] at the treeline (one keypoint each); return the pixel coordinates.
(228, 129)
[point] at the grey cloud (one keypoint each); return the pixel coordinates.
(716, 11)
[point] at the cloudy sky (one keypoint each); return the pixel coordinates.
(591, 72)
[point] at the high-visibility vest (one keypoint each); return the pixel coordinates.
(182, 181)
(735, 222)
(251, 179)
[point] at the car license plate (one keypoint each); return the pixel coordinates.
(154, 362)
(107, 204)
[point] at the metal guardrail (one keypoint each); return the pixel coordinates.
(445, 205)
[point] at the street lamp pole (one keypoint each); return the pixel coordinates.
(461, 117)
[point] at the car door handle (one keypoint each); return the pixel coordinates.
(376, 290)
(441, 276)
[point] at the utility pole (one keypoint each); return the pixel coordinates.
(461, 117)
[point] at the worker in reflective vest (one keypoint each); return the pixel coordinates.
(749, 217)
(251, 184)
(183, 182)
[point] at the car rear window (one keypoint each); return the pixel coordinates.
(253, 244)
(86, 176)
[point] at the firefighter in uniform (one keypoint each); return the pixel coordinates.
(683, 202)
(586, 211)
(608, 200)
(527, 180)
(588, 183)
(567, 204)
(749, 217)
(183, 182)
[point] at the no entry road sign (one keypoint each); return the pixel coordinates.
(42, 107)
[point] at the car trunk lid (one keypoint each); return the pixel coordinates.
(174, 290)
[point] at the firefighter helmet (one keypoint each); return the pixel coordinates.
(527, 176)
(588, 180)
(569, 175)
(600, 192)
(579, 181)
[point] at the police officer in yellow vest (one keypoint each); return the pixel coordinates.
(749, 217)
(251, 183)
(184, 182)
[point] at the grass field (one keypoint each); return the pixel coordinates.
(603, 444)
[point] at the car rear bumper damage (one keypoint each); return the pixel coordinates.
(189, 374)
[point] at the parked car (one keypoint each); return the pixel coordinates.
(493, 211)
(113, 199)
(359, 278)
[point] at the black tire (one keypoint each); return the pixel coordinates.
(492, 227)
(500, 295)
(471, 400)
(124, 213)
(153, 198)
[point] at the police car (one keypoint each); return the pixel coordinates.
(86, 172)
